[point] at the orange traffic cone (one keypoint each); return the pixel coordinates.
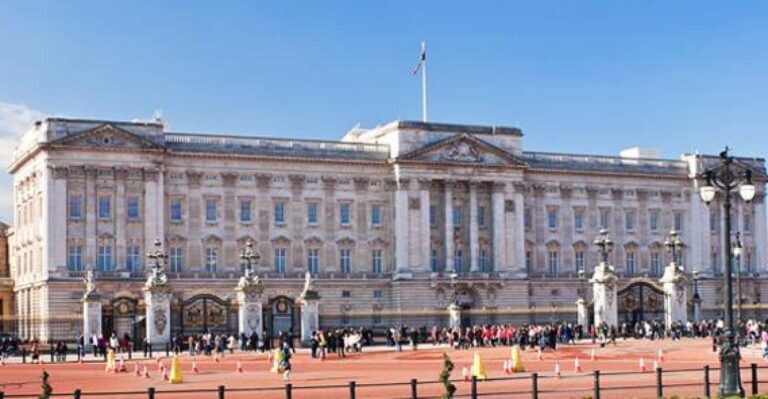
(146, 371)
(239, 369)
(593, 356)
(538, 353)
(165, 374)
(577, 366)
(642, 365)
(655, 365)
(506, 368)
(557, 369)
(465, 373)
(160, 365)
(194, 366)
(136, 371)
(661, 355)
(121, 366)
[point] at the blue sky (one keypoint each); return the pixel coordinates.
(576, 76)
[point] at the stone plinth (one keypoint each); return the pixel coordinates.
(310, 314)
(91, 317)
(604, 294)
(249, 310)
(454, 316)
(157, 300)
(675, 297)
(582, 314)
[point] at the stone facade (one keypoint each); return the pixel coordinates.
(6, 283)
(395, 223)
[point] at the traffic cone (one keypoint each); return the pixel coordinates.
(160, 365)
(146, 371)
(593, 356)
(478, 370)
(642, 365)
(121, 368)
(110, 361)
(538, 353)
(176, 377)
(661, 356)
(287, 376)
(516, 364)
(194, 366)
(655, 365)
(557, 369)
(505, 367)
(577, 366)
(165, 374)
(465, 373)
(239, 369)
(136, 371)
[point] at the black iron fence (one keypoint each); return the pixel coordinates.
(533, 385)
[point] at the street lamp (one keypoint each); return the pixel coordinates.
(674, 245)
(582, 278)
(604, 245)
(737, 249)
(728, 176)
(696, 296)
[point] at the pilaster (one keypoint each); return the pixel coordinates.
(449, 233)
(474, 245)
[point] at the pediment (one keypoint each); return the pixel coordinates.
(463, 149)
(106, 136)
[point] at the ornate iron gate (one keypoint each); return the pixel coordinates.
(641, 300)
(207, 313)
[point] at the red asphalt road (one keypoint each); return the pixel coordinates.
(387, 367)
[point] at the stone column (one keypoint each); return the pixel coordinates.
(151, 230)
(425, 226)
(249, 310)
(519, 241)
(604, 294)
(474, 244)
(499, 226)
(90, 213)
(91, 317)
(454, 316)
(401, 227)
(449, 252)
(759, 233)
(310, 314)
(582, 313)
(120, 254)
(157, 300)
(675, 298)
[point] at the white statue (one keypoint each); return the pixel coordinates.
(90, 284)
(158, 278)
(307, 284)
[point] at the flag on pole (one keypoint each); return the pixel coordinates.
(422, 59)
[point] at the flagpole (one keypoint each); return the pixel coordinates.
(423, 84)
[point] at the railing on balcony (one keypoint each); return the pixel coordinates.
(577, 161)
(266, 145)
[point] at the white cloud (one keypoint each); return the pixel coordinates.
(15, 119)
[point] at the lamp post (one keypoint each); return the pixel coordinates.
(737, 248)
(674, 245)
(727, 176)
(582, 279)
(604, 245)
(696, 297)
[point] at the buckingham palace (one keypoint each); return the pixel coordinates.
(394, 224)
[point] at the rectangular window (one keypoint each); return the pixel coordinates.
(655, 263)
(312, 213)
(432, 216)
(457, 261)
(653, 220)
(679, 258)
(579, 259)
(554, 264)
(280, 260)
(483, 261)
(481, 216)
(75, 207)
(578, 220)
(345, 261)
(376, 261)
(177, 259)
(679, 222)
(211, 259)
(346, 294)
(629, 220)
(176, 211)
(527, 218)
(133, 208)
(456, 216)
(375, 215)
(105, 258)
(433, 261)
(279, 212)
(630, 264)
(378, 294)
(245, 212)
(313, 260)
(552, 218)
(105, 207)
(210, 210)
(529, 261)
(714, 262)
(344, 216)
(605, 218)
(133, 258)
(75, 260)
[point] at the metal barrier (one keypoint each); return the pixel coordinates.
(752, 386)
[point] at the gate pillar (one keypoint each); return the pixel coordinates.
(604, 295)
(675, 298)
